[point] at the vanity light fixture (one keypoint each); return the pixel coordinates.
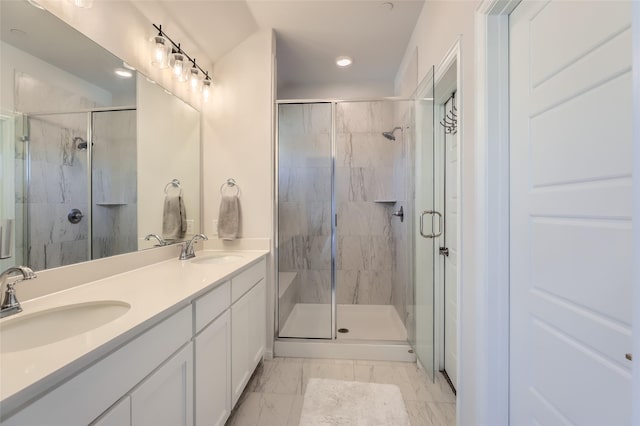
(83, 4)
(343, 61)
(166, 51)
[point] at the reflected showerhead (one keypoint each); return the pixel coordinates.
(80, 143)
(389, 135)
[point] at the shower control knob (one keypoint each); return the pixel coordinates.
(75, 216)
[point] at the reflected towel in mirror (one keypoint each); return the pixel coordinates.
(174, 216)
(229, 217)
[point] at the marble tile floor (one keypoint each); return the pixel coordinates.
(274, 395)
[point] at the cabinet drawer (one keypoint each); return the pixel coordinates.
(212, 304)
(243, 282)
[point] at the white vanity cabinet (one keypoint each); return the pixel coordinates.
(213, 356)
(248, 330)
(118, 415)
(188, 368)
(165, 398)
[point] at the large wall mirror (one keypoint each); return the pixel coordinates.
(94, 155)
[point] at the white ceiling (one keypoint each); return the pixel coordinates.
(310, 34)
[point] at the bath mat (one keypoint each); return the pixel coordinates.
(338, 402)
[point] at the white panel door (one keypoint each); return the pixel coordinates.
(570, 148)
(258, 323)
(451, 261)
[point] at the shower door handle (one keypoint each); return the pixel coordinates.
(432, 213)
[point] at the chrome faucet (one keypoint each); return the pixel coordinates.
(187, 248)
(10, 304)
(161, 240)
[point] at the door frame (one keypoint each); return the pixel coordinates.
(492, 210)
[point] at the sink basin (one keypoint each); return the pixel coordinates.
(52, 325)
(216, 258)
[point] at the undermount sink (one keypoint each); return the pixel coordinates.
(216, 258)
(52, 325)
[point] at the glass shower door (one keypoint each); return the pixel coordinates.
(305, 234)
(426, 225)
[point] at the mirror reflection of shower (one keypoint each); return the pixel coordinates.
(390, 135)
(80, 143)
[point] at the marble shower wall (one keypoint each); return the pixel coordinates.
(58, 183)
(304, 198)
(365, 197)
(114, 190)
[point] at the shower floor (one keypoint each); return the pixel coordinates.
(364, 322)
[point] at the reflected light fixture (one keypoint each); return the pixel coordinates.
(36, 4)
(84, 4)
(343, 61)
(124, 73)
(167, 53)
(127, 66)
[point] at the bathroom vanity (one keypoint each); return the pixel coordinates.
(173, 343)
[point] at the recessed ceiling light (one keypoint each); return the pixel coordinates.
(127, 66)
(343, 61)
(121, 72)
(388, 5)
(35, 3)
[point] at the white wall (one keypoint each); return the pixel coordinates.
(238, 129)
(335, 91)
(438, 27)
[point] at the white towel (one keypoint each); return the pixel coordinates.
(229, 217)
(174, 217)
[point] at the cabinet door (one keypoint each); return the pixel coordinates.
(257, 323)
(213, 372)
(118, 415)
(166, 397)
(239, 347)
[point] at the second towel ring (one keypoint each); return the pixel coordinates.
(174, 183)
(230, 183)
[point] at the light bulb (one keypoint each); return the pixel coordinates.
(206, 89)
(194, 78)
(178, 65)
(160, 49)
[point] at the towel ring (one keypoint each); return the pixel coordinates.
(174, 182)
(230, 183)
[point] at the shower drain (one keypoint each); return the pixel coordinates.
(343, 330)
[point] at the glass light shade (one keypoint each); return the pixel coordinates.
(206, 89)
(179, 66)
(85, 4)
(194, 79)
(160, 49)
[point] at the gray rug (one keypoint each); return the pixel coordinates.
(338, 402)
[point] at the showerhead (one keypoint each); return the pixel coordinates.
(390, 135)
(80, 143)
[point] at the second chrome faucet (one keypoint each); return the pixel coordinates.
(187, 251)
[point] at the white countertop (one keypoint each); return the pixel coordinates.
(154, 292)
